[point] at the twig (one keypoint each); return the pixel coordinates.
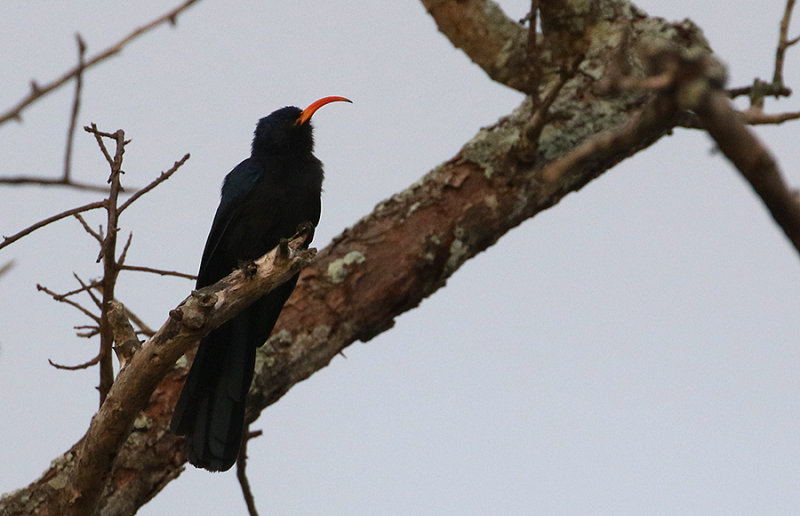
(40, 90)
(160, 179)
(43, 181)
(85, 365)
(528, 144)
(6, 267)
(124, 253)
(84, 288)
(241, 472)
(76, 104)
(49, 220)
(95, 234)
(93, 330)
(157, 271)
(783, 43)
(62, 299)
(757, 117)
(88, 289)
(759, 90)
(98, 136)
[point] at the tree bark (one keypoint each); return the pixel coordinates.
(408, 247)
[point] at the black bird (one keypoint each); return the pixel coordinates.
(265, 198)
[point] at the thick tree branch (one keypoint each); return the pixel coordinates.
(403, 251)
(73, 483)
(749, 155)
(407, 248)
(492, 40)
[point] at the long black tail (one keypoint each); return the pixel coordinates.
(210, 410)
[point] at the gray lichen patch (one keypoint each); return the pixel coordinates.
(459, 252)
(489, 144)
(338, 269)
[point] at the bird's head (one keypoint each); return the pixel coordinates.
(288, 130)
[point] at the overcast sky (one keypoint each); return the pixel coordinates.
(633, 350)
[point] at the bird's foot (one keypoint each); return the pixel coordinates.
(307, 230)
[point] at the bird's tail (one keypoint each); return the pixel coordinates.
(210, 411)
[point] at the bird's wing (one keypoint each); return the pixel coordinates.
(238, 183)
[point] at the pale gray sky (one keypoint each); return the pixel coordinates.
(633, 350)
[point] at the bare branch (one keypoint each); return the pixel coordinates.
(783, 43)
(85, 365)
(61, 298)
(759, 90)
(201, 312)
(95, 234)
(758, 117)
(49, 220)
(6, 267)
(160, 179)
(161, 272)
(88, 289)
(752, 159)
(98, 136)
(43, 181)
(124, 253)
(241, 471)
(76, 104)
(493, 41)
(108, 254)
(40, 90)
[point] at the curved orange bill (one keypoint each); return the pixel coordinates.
(310, 110)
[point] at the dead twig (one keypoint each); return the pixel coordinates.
(95, 234)
(241, 472)
(40, 90)
(157, 181)
(108, 252)
(783, 43)
(88, 289)
(85, 365)
(61, 298)
(761, 89)
(6, 267)
(160, 272)
(43, 181)
(49, 220)
(76, 105)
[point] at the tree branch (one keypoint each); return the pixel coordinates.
(49, 220)
(783, 43)
(752, 159)
(76, 105)
(40, 90)
(82, 474)
(161, 272)
(155, 182)
(492, 40)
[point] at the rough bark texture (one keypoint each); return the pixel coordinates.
(74, 481)
(411, 243)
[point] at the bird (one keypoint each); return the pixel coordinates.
(264, 199)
